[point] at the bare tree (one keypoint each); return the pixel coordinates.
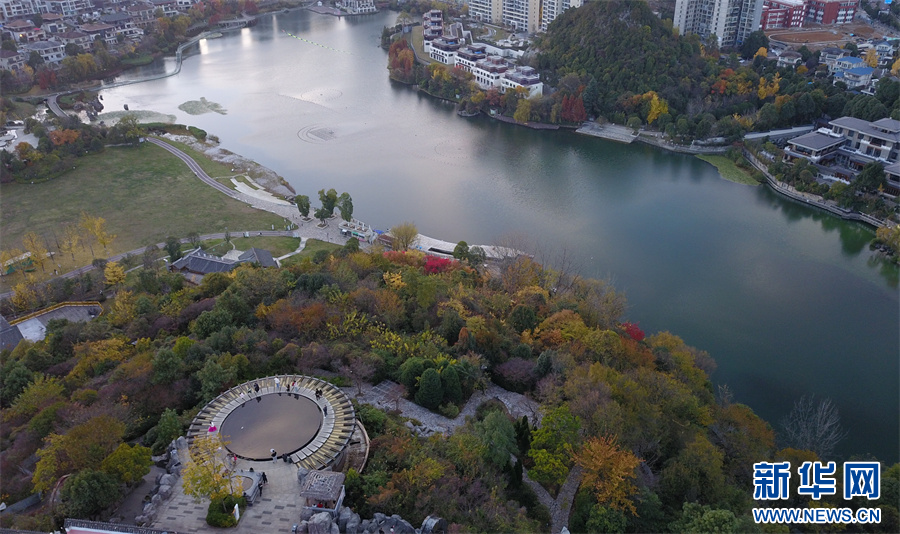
(405, 235)
(813, 426)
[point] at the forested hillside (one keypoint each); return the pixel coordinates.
(658, 449)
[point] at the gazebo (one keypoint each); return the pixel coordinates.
(323, 491)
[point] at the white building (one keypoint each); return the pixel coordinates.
(443, 49)
(10, 9)
(731, 21)
(67, 8)
(525, 77)
(52, 51)
(554, 8)
(489, 71)
(469, 55)
(358, 7)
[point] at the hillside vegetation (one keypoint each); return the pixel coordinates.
(658, 451)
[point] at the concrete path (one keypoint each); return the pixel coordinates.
(561, 506)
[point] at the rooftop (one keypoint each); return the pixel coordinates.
(887, 129)
(322, 485)
(262, 257)
(817, 141)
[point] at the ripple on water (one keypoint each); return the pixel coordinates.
(316, 134)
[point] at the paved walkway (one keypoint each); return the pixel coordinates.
(277, 510)
(561, 506)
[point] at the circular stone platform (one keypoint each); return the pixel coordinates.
(284, 413)
(280, 422)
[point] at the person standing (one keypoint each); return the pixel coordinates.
(278, 385)
(265, 479)
(256, 388)
(259, 487)
(274, 455)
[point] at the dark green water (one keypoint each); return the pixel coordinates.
(787, 299)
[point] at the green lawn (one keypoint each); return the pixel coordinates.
(312, 246)
(145, 194)
(729, 170)
(278, 246)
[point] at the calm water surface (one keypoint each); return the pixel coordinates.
(788, 300)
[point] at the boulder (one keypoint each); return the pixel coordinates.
(302, 528)
(140, 520)
(167, 480)
(156, 499)
(343, 517)
(353, 524)
(335, 529)
(165, 491)
(363, 526)
(402, 526)
(320, 523)
(434, 525)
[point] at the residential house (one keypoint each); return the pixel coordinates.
(185, 5)
(433, 24)
(885, 51)
(141, 14)
(856, 78)
(196, 264)
(830, 55)
(443, 49)
(489, 71)
(53, 23)
(13, 9)
(122, 24)
(11, 61)
(525, 77)
(99, 30)
(846, 63)
(24, 31)
(52, 52)
(80, 39)
(469, 55)
(68, 8)
(790, 59)
(169, 7)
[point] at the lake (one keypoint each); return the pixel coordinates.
(787, 299)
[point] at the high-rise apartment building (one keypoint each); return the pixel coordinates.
(523, 15)
(554, 8)
(490, 11)
(731, 21)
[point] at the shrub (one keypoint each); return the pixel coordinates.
(436, 265)
(373, 419)
(197, 132)
(430, 393)
(217, 516)
(515, 375)
(450, 411)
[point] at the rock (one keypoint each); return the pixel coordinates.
(353, 524)
(156, 499)
(434, 525)
(363, 526)
(402, 526)
(335, 529)
(320, 523)
(409, 425)
(378, 518)
(167, 480)
(564, 531)
(303, 527)
(165, 491)
(140, 520)
(343, 517)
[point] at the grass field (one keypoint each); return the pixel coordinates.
(312, 246)
(278, 246)
(145, 194)
(729, 170)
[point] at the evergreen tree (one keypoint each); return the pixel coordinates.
(430, 393)
(452, 388)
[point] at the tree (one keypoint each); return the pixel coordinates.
(35, 245)
(206, 473)
(753, 43)
(71, 239)
(871, 58)
(193, 239)
(128, 463)
(498, 437)
(609, 472)
(114, 274)
(168, 429)
(302, 205)
(870, 178)
(461, 251)
(167, 367)
(322, 214)
(813, 426)
(72, 49)
(405, 235)
(82, 447)
(477, 256)
(35, 60)
(431, 392)
(96, 226)
(173, 248)
(86, 494)
(451, 385)
(697, 518)
(329, 200)
(523, 111)
(345, 204)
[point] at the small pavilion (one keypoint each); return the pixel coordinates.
(323, 491)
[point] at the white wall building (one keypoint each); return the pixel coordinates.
(10, 9)
(525, 77)
(731, 21)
